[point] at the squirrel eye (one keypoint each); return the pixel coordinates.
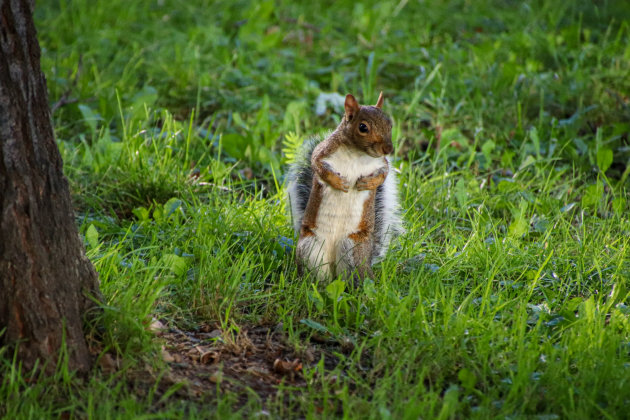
(363, 128)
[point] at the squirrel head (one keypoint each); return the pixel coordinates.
(367, 127)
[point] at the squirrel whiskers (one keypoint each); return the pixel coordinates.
(344, 196)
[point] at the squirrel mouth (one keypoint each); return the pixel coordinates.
(383, 150)
(375, 154)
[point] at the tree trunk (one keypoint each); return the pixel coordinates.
(45, 277)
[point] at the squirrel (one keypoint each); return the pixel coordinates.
(344, 197)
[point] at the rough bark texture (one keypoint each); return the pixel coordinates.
(45, 277)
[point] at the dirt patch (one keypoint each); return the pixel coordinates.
(256, 358)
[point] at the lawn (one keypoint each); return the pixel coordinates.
(507, 297)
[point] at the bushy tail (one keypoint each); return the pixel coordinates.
(388, 222)
(300, 177)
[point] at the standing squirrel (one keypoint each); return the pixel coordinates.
(343, 195)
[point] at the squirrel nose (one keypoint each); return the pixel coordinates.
(388, 148)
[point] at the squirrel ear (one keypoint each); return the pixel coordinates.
(352, 107)
(379, 102)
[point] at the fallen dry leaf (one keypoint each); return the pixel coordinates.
(216, 377)
(207, 356)
(157, 326)
(107, 363)
(286, 367)
(166, 356)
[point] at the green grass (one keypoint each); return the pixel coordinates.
(509, 295)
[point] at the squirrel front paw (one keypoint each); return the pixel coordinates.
(370, 182)
(339, 182)
(331, 177)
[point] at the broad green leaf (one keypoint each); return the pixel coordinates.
(92, 236)
(507, 159)
(487, 149)
(604, 159)
(238, 120)
(369, 289)
(335, 289)
(449, 405)
(315, 325)
(317, 298)
(141, 213)
(541, 225)
(467, 378)
(592, 195)
(175, 263)
(235, 145)
(450, 136)
(518, 227)
(171, 206)
(461, 193)
(158, 213)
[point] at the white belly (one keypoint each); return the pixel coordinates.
(339, 215)
(340, 212)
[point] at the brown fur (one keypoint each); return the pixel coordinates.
(358, 247)
(372, 181)
(309, 222)
(366, 225)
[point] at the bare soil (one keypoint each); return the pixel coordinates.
(257, 359)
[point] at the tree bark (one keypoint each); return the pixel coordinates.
(45, 277)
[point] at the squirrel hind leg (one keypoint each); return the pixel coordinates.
(353, 260)
(310, 257)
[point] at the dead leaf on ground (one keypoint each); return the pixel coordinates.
(157, 327)
(286, 367)
(107, 363)
(166, 356)
(206, 355)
